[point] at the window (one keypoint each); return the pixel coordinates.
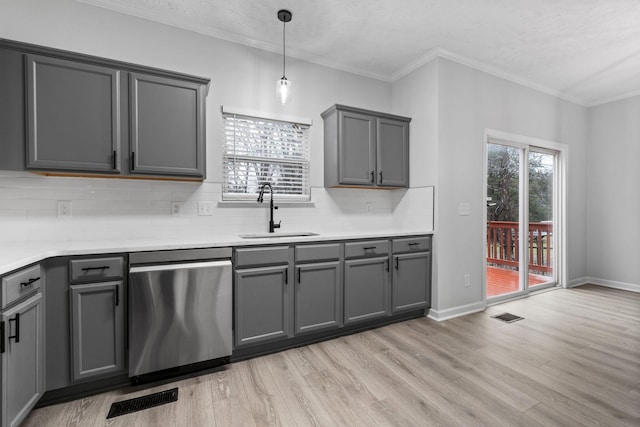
(258, 150)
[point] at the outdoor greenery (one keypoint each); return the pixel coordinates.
(502, 184)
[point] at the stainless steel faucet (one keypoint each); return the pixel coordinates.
(272, 225)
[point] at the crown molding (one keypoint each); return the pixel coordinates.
(429, 56)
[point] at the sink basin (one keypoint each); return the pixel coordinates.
(277, 235)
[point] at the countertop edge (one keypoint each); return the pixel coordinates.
(15, 255)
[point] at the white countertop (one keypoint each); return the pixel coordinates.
(14, 255)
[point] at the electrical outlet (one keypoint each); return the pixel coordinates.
(467, 280)
(368, 207)
(176, 208)
(205, 208)
(64, 208)
(464, 209)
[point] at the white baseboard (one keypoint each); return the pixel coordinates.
(461, 310)
(578, 282)
(633, 287)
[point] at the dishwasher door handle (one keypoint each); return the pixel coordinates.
(182, 266)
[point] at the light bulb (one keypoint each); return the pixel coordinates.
(283, 90)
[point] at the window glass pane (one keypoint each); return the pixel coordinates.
(258, 150)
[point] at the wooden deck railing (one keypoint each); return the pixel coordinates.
(503, 247)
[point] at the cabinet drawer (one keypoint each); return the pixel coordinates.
(262, 256)
(91, 269)
(412, 244)
(366, 249)
(19, 284)
(322, 252)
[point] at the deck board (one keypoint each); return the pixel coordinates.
(502, 281)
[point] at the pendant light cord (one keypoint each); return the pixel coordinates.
(284, 24)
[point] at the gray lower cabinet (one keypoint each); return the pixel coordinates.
(22, 359)
(73, 115)
(318, 296)
(262, 305)
(366, 294)
(411, 284)
(411, 281)
(97, 329)
(167, 126)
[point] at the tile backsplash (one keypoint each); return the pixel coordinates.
(107, 209)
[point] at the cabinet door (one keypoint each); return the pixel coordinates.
(411, 281)
(393, 153)
(356, 142)
(167, 126)
(262, 305)
(366, 283)
(97, 329)
(73, 115)
(318, 299)
(22, 360)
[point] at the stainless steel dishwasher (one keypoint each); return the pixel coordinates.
(180, 305)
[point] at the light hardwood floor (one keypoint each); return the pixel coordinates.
(573, 361)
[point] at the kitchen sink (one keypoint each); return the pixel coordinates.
(277, 235)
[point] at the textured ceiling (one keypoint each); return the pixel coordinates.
(587, 51)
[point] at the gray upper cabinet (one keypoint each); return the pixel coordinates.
(365, 148)
(67, 112)
(357, 157)
(167, 126)
(73, 115)
(392, 138)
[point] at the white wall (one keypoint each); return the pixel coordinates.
(470, 101)
(613, 202)
(241, 77)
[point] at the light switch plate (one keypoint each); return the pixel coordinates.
(205, 208)
(464, 209)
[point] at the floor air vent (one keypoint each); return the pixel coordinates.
(143, 402)
(508, 317)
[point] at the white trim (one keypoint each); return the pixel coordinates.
(578, 282)
(176, 21)
(485, 68)
(461, 310)
(226, 109)
(613, 98)
(633, 287)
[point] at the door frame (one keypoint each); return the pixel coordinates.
(560, 202)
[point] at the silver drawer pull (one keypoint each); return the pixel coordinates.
(104, 267)
(29, 282)
(412, 244)
(369, 248)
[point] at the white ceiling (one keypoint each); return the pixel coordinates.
(587, 51)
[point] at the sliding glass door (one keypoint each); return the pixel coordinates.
(521, 195)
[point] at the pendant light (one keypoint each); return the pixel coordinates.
(283, 86)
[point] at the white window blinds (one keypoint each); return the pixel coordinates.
(259, 150)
